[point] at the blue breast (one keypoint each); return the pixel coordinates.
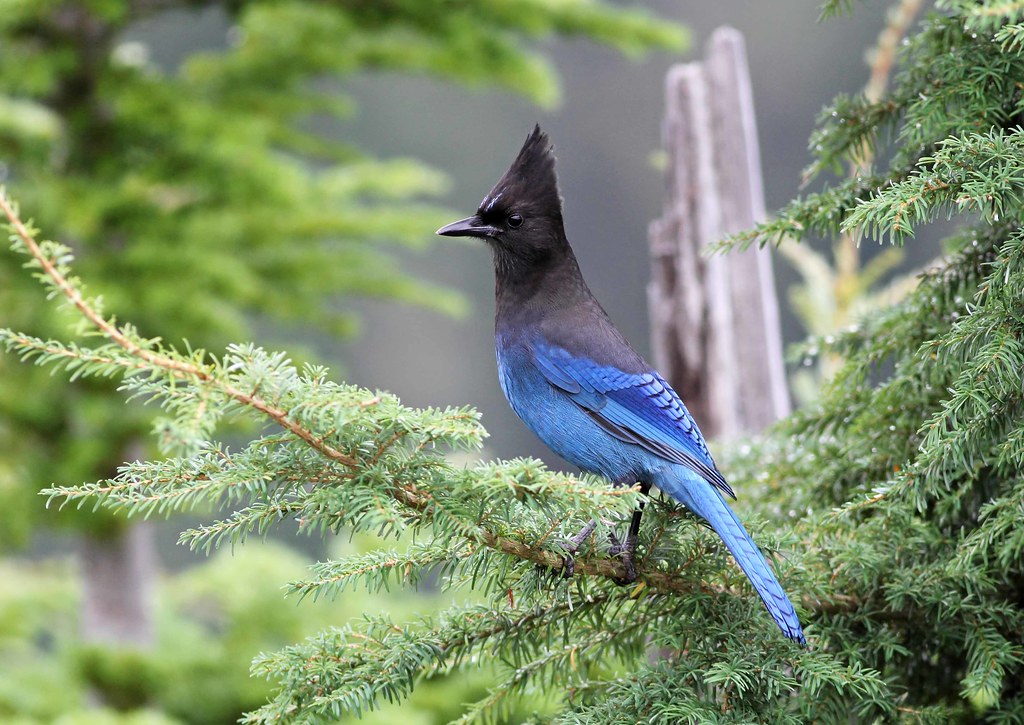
(562, 425)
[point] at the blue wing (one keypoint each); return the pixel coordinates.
(639, 408)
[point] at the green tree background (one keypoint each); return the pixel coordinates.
(205, 202)
(894, 498)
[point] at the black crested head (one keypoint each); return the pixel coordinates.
(521, 217)
(530, 185)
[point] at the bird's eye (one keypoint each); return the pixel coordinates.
(515, 220)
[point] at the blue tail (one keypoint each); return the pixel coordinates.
(701, 498)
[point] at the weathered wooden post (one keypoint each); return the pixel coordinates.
(715, 320)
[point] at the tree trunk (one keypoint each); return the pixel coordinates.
(118, 572)
(714, 320)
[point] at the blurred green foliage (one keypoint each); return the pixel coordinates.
(203, 205)
(214, 619)
(199, 199)
(902, 483)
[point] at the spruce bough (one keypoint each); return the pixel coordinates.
(902, 484)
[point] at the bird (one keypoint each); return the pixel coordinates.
(575, 381)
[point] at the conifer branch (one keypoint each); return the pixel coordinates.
(176, 367)
(903, 482)
(139, 357)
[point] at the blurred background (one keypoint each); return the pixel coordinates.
(607, 131)
(431, 343)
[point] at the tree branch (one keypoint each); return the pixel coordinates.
(611, 568)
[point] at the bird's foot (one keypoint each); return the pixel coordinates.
(573, 545)
(630, 567)
(568, 565)
(626, 551)
(568, 568)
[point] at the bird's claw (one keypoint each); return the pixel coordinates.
(573, 545)
(568, 565)
(630, 567)
(625, 552)
(568, 568)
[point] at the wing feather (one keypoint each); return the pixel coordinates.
(641, 409)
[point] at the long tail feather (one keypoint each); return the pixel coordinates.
(706, 502)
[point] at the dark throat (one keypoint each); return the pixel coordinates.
(527, 285)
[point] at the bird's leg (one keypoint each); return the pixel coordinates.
(626, 550)
(573, 545)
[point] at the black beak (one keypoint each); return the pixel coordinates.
(469, 227)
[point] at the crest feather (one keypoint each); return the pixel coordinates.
(530, 184)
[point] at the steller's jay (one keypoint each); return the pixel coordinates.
(575, 381)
